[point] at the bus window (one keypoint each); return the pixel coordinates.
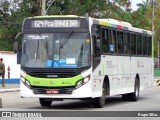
(105, 40)
(144, 43)
(146, 39)
(133, 44)
(126, 43)
(113, 44)
(120, 42)
(139, 45)
(149, 45)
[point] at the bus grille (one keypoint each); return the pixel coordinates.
(57, 75)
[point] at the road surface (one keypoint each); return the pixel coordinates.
(149, 101)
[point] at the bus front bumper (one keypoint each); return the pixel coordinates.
(81, 92)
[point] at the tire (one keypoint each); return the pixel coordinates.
(100, 101)
(133, 96)
(45, 103)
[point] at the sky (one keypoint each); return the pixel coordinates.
(134, 2)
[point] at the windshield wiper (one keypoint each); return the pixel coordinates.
(46, 47)
(66, 39)
(37, 50)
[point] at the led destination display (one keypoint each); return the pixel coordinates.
(55, 24)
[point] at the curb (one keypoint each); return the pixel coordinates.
(9, 90)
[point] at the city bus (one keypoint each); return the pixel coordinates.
(76, 57)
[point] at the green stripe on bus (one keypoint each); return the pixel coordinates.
(53, 82)
(109, 24)
(105, 23)
(103, 69)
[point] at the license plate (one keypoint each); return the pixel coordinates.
(52, 91)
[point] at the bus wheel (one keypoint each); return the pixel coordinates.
(133, 96)
(100, 101)
(45, 103)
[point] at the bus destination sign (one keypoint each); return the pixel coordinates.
(55, 24)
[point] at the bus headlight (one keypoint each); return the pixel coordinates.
(86, 79)
(26, 82)
(82, 82)
(23, 80)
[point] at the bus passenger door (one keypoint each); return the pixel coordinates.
(96, 51)
(97, 73)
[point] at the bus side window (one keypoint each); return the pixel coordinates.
(139, 45)
(149, 40)
(120, 42)
(133, 44)
(105, 40)
(113, 44)
(126, 43)
(145, 46)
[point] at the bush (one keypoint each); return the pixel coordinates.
(6, 45)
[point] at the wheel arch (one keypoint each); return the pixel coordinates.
(107, 83)
(138, 77)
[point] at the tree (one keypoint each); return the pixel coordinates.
(142, 17)
(12, 18)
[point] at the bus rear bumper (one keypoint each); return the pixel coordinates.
(81, 92)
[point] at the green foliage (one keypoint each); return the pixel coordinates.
(78, 7)
(5, 45)
(12, 19)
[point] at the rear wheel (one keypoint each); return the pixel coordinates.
(45, 103)
(100, 101)
(135, 95)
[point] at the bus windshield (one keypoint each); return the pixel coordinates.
(56, 50)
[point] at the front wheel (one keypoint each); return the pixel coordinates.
(45, 103)
(100, 101)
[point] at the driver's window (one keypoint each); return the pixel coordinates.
(96, 46)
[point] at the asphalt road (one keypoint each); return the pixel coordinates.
(149, 101)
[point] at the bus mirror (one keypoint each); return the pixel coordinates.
(19, 54)
(18, 36)
(15, 46)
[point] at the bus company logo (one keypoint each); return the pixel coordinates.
(6, 114)
(51, 82)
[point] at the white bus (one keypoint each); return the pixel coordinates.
(73, 57)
